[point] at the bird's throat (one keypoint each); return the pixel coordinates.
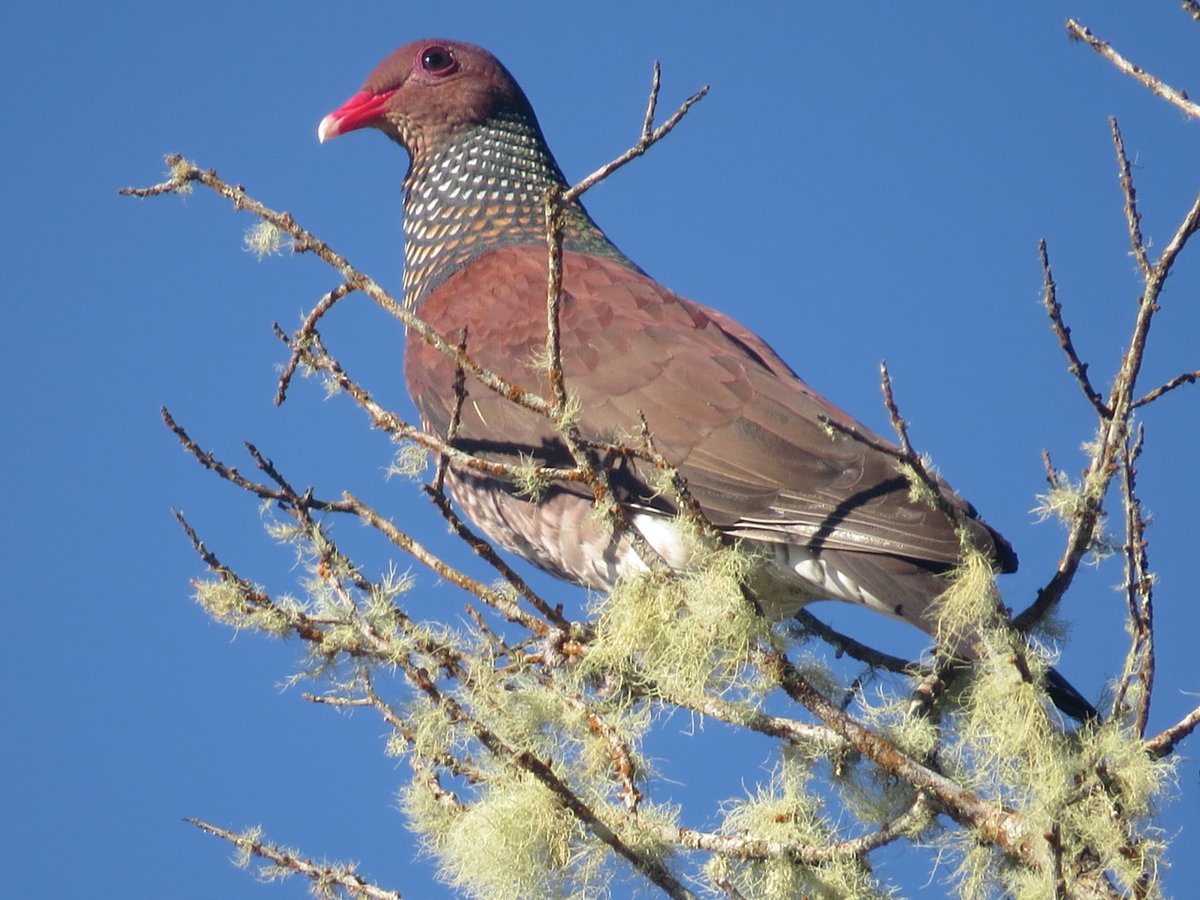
(483, 189)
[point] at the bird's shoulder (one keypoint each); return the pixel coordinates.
(617, 324)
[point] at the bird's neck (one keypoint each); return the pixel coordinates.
(483, 190)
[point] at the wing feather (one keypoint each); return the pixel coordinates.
(739, 424)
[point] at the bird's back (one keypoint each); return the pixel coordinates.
(741, 427)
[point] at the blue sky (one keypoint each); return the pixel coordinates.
(860, 185)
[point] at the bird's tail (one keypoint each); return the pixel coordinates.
(1067, 699)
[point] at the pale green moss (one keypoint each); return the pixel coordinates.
(230, 603)
(969, 604)
(685, 634)
(530, 483)
(784, 814)
(919, 490)
(1061, 503)
(515, 841)
(409, 461)
(179, 174)
(264, 239)
(381, 613)
(568, 416)
(1094, 788)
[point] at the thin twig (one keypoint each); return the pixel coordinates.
(1075, 365)
(1115, 416)
(1133, 218)
(693, 512)
(1164, 743)
(649, 137)
(845, 645)
(298, 340)
(498, 600)
(554, 280)
(424, 767)
(1053, 477)
(322, 874)
(316, 356)
(1177, 381)
(918, 473)
(1156, 86)
(485, 551)
(621, 754)
(1004, 827)
(455, 424)
(748, 848)
(594, 471)
(1187, 228)
(1139, 592)
(184, 173)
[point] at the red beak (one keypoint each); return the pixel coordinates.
(358, 112)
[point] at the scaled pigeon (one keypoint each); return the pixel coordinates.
(829, 517)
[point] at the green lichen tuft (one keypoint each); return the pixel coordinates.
(409, 461)
(785, 815)
(264, 239)
(516, 840)
(685, 633)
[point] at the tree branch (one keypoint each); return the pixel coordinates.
(285, 862)
(1157, 87)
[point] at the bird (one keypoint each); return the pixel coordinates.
(827, 517)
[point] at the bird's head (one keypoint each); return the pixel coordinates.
(428, 91)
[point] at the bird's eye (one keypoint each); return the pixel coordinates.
(438, 61)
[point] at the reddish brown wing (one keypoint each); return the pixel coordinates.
(741, 426)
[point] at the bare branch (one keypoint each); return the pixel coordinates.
(844, 644)
(647, 139)
(1115, 417)
(1052, 475)
(747, 848)
(210, 462)
(299, 339)
(1075, 365)
(1187, 228)
(1177, 381)
(1133, 218)
(496, 599)
(1164, 743)
(1004, 827)
(488, 554)
(185, 173)
(1139, 593)
(1156, 86)
(285, 862)
(917, 471)
(554, 275)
